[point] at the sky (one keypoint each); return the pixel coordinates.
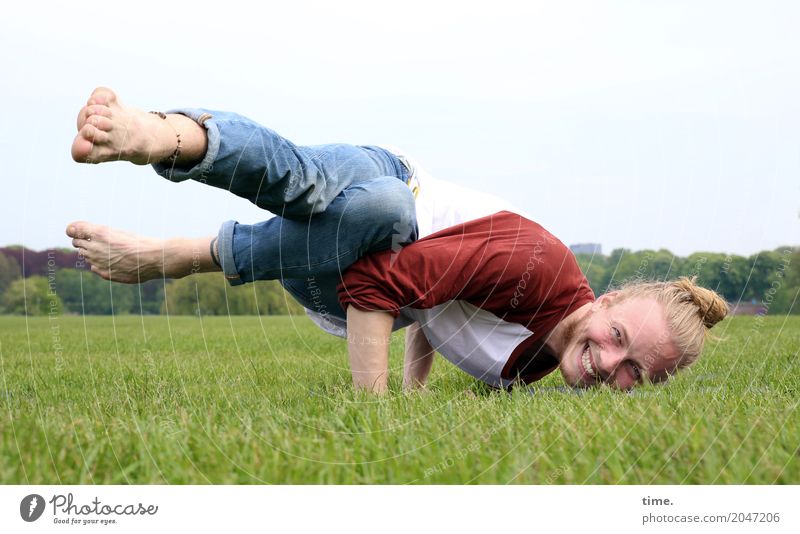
(651, 124)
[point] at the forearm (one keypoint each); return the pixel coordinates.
(368, 338)
(418, 358)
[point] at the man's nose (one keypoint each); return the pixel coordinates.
(610, 360)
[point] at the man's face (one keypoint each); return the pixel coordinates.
(621, 343)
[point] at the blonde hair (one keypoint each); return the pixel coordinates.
(690, 310)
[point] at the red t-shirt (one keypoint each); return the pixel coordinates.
(501, 281)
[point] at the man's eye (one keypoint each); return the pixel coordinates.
(617, 333)
(637, 373)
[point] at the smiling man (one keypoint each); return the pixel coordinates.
(504, 300)
(621, 342)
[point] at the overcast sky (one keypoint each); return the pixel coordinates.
(632, 124)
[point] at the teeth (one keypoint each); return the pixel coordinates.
(587, 365)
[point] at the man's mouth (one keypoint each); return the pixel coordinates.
(588, 362)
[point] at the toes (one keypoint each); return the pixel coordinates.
(91, 136)
(91, 133)
(80, 230)
(83, 146)
(88, 111)
(98, 110)
(80, 243)
(82, 114)
(100, 122)
(82, 150)
(102, 96)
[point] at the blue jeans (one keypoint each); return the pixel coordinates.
(335, 203)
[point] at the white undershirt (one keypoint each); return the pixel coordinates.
(473, 339)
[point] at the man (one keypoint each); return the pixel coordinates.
(338, 203)
(505, 301)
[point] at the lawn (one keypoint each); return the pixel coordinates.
(268, 400)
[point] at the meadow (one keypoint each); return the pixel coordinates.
(222, 400)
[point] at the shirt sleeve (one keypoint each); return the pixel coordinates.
(503, 263)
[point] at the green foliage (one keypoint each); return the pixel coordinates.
(770, 277)
(210, 294)
(86, 293)
(9, 271)
(34, 295)
(594, 269)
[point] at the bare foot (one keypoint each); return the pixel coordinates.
(132, 259)
(110, 131)
(117, 255)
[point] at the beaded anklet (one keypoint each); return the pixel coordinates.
(177, 152)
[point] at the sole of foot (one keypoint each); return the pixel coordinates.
(111, 131)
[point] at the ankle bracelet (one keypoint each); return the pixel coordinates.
(214, 256)
(177, 151)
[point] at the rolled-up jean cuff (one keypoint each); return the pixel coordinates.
(202, 169)
(225, 243)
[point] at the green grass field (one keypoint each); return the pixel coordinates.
(268, 400)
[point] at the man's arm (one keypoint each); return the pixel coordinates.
(368, 338)
(418, 358)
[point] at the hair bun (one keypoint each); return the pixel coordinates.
(711, 307)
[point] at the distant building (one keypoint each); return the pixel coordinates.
(587, 248)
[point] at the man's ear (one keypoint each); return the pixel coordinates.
(607, 298)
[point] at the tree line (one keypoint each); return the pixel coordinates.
(48, 282)
(53, 288)
(769, 279)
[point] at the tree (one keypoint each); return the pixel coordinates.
(201, 294)
(734, 278)
(631, 266)
(149, 297)
(765, 268)
(210, 294)
(267, 297)
(665, 265)
(31, 296)
(9, 271)
(87, 293)
(594, 269)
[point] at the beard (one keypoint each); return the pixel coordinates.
(573, 334)
(574, 331)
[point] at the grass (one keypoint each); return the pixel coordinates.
(268, 400)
